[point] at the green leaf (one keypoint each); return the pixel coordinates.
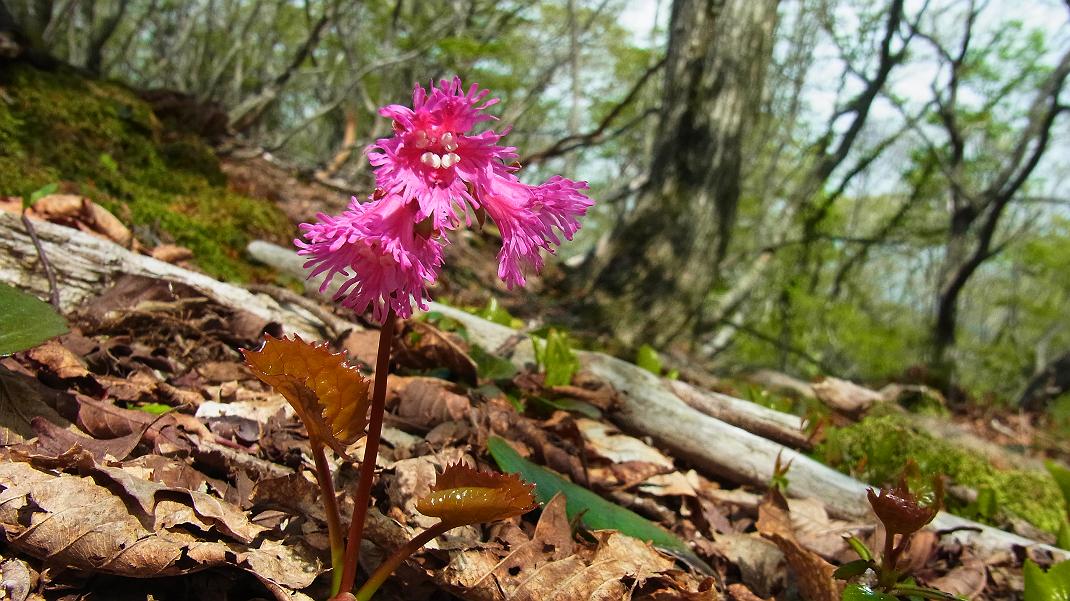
(595, 512)
(491, 366)
(498, 314)
(648, 359)
(154, 408)
(1062, 540)
(851, 569)
(1053, 585)
(555, 357)
(913, 591)
(859, 592)
(29, 201)
(26, 321)
(860, 548)
(574, 405)
(1062, 478)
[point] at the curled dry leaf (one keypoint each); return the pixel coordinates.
(462, 495)
(814, 573)
(330, 397)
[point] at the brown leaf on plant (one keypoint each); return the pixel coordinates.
(814, 573)
(901, 511)
(462, 495)
(330, 397)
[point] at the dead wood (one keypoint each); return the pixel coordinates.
(648, 407)
(86, 265)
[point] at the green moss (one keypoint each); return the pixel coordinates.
(103, 140)
(877, 448)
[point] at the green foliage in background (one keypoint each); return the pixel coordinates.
(58, 126)
(26, 321)
(554, 357)
(876, 449)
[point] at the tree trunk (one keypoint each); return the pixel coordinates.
(1047, 384)
(660, 264)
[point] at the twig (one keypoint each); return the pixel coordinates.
(53, 287)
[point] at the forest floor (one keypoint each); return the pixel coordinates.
(143, 460)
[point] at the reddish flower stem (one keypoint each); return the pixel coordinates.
(371, 450)
(387, 568)
(334, 518)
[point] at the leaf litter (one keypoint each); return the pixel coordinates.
(138, 445)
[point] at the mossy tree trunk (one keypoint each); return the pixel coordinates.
(658, 267)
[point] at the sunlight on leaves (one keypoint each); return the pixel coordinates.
(555, 358)
(330, 397)
(462, 496)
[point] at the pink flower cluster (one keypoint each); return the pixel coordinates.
(430, 172)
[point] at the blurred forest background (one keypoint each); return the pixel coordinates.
(872, 189)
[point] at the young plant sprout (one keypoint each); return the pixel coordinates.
(902, 513)
(461, 496)
(389, 252)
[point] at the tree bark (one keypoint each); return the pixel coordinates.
(1047, 384)
(659, 266)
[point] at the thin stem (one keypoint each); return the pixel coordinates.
(387, 568)
(371, 450)
(53, 287)
(889, 575)
(334, 518)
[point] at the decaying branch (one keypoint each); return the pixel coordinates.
(86, 265)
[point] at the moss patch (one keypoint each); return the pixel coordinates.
(876, 449)
(106, 143)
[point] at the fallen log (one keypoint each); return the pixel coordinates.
(782, 427)
(86, 265)
(649, 408)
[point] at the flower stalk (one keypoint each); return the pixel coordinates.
(334, 517)
(395, 560)
(362, 499)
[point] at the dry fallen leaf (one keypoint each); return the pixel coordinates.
(72, 521)
(57, 359)
(966, 580)
(608, 442)
(814, 574)
(171, 253)
(428, 402)
(423, 346)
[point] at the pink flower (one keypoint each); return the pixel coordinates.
(434, 158)
(392, 263)
(432, 166)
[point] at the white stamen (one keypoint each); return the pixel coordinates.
(430, 159)
(450, 160)
(447, 142)
(436, 161)
(422, 140)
